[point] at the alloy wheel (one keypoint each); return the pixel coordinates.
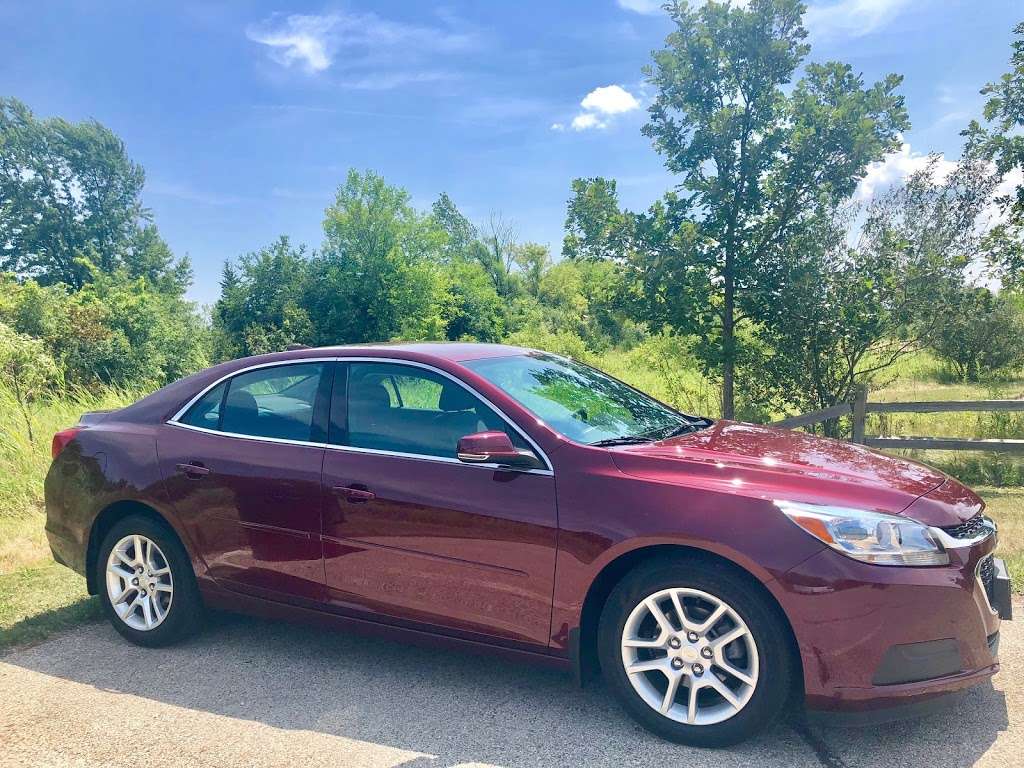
(139, 582)
(689, 656)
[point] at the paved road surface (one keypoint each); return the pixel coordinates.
(250, 693)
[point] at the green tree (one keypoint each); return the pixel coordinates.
(378, 276)
(261, 305)
(1002, 140)
(840, 313)
(756, 155)
(982, 336)
(69, 196)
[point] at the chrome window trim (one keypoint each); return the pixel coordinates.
(174, 420)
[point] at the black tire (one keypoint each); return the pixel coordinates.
(776, 659)
(185, 611)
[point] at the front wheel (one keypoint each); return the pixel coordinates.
(147, 585)
(694, 654)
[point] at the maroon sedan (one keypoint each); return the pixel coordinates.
(502, 498)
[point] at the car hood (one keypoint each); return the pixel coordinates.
(774, 463)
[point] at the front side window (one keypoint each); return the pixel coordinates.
(580, 402)
(405, 409)
(275, 402)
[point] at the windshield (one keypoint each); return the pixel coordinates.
(580, 402)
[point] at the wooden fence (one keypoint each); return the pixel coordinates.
(860, 408)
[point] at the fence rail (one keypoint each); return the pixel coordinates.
(860, 407)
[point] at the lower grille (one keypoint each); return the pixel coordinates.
(987, 577)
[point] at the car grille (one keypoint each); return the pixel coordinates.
(987, 576)
(970, 529)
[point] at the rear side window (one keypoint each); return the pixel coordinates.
(206, 413)
(273, 402)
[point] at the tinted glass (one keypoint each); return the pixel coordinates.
(206, 412)
(273, 402)
(580, 402)
(402, 408)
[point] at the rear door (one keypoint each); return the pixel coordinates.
(413, 534)
(242, 466)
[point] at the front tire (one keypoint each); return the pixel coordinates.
(146, 583)
(694, 654)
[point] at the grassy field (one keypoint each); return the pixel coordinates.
(38, 597)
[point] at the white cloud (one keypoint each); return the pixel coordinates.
(641, 6)
(650, 7)
(852, 17)
(610, 100)
(302, 40)
(599, 105)
(896, 167)
(587, 120)
(371, 52)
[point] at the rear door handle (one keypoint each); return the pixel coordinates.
(354, 495)
(193, 470)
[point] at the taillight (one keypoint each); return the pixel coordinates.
(61, 439)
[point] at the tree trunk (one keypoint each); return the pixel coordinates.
(728, 342)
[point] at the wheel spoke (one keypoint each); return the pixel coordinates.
(161, 587)
(147, 611)
(646, 666)
(724, 690)
(124, 558)
(129, 590)
(126, 575)
(137, 547)
(660, 617)
(670, 693)
(719, 643)
(729, 669)
(691, 702)
(710, 621)
(160, 571)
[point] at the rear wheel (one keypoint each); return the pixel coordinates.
(147, 585)
(694, 654)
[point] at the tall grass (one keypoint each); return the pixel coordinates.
(23, 463)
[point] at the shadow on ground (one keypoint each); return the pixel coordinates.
(459, 709)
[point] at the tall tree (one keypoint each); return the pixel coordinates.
(69, 194)
(378, 276)
(756, 156)
(1003, 142)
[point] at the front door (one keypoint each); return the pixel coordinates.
(243, 472)
(413, 534)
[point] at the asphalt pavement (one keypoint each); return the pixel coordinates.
(252, 693)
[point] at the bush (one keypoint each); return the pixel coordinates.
(981, 336)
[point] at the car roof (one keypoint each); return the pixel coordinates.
(455, 351)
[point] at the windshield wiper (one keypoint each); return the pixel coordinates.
(624, 440)
(687, 427)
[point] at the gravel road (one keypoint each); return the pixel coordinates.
(251, 693)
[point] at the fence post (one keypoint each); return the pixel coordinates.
(860, 402)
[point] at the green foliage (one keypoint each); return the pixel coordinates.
(115, 330)
(981, 336)
(755, 159)
(260, 306)
(26, 370)
(69, 197)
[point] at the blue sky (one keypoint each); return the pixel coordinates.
(246, 115)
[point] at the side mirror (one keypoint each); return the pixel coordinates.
(495, 448)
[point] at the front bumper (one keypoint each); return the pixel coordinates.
(874, 637)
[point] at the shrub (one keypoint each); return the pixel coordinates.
(981, 336)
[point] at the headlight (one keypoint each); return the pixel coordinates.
(871, 537)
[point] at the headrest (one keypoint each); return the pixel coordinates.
(455, 398)
(240, 411)
(369, 393)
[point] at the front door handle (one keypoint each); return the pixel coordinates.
(193, 471)
(354, 495)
